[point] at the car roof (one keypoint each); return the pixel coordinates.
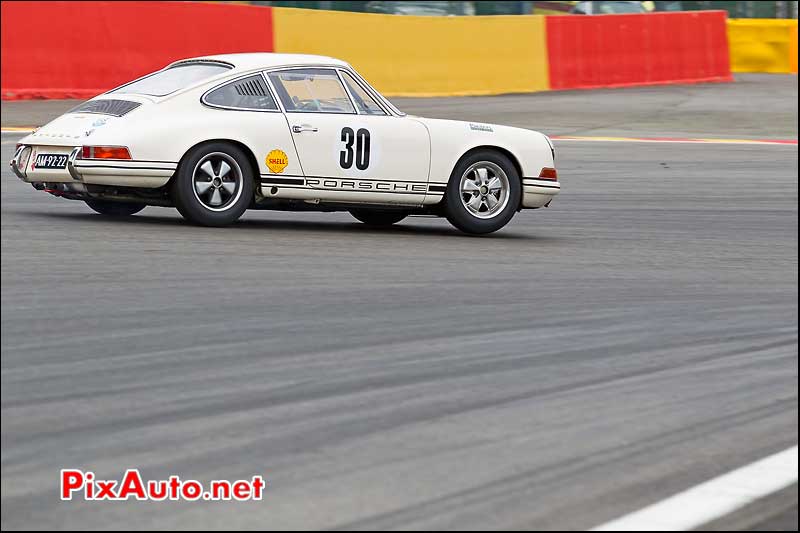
(258, 60)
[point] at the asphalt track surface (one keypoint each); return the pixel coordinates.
(633, 340)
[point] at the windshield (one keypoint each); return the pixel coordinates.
(172, 79)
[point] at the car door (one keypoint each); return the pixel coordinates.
(350, 148)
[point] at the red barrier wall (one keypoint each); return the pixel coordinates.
(80, 49)
(620, 50)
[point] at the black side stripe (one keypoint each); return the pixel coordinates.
(349, 178)
(286, 181)
(353, 190)
(543, 186)
(102, 160)
(122, 167)
(267, 179)
(291, 181)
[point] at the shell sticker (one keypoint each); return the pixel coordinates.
(277, 161)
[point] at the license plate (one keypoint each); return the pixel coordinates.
(51, 161)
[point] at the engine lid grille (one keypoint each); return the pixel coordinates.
(115, 108)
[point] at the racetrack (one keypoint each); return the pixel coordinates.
(635, 339)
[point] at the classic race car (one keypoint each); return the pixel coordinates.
(214, 136)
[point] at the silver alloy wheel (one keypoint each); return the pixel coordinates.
(217, 181)
(484, 189)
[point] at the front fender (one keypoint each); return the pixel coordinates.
(451, 139)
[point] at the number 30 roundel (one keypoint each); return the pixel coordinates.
(356, 148)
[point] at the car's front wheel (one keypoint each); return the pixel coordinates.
(214, 184)
(114, 209)
(483, 192)
(372, 217)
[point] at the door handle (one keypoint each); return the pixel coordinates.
(304, 127)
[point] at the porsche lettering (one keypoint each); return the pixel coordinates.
(378, 186)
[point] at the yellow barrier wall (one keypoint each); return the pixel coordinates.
(424, 56)
(763, 45)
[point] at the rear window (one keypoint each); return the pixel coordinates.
(172, 79)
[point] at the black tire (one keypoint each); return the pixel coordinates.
(115, 209)
(228, 193)
(373, 217)
(460, 215)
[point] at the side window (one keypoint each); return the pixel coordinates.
(311, 90)
(246, 93)
(364, 102)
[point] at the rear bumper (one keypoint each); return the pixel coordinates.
(538, 193)
(114, 172)
(147, 174)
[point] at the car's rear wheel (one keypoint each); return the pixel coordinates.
(214, 184)
(374, 217)
(483, 192)
(114, 209)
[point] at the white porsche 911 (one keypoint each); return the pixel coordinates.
(214, 136)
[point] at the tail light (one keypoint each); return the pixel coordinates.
(105, 152)
(549, 174)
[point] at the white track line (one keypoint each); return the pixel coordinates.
(713, 499)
